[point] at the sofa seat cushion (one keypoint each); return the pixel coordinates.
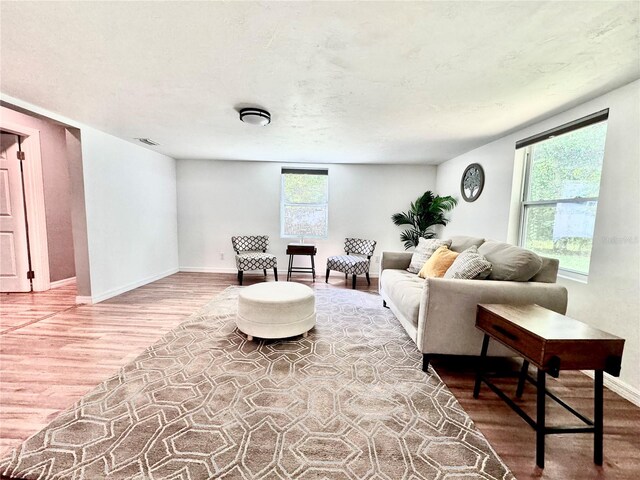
(510, 263)
(404, 290)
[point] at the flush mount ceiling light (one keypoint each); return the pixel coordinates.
(255, 116)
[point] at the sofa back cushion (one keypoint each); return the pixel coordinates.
(462, 243)
(423, 252)
(510, 263)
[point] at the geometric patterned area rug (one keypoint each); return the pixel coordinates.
(350, 401)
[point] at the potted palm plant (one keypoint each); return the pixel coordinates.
(425, 213)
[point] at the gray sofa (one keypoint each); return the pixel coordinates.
(439, 314)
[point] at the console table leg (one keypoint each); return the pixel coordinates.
(540, 420)
(597, 417)
(480, 371)
(313, 268)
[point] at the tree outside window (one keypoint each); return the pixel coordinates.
(304, 203)
(562, 184)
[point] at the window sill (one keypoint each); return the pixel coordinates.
(576, 277)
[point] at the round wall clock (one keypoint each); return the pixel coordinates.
(472, 182)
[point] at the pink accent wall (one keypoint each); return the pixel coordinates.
(57, 192)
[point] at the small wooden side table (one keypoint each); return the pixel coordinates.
(551, 342)
(294, 249)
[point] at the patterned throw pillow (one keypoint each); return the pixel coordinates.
(438, 264)
(423, 252)
(469, 265)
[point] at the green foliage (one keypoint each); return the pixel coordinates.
(426, 212)
(304, 209)
(564, 167)
(574, 253)
(307, 189)
(569, 165)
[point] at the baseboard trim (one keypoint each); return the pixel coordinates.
(125, 288)
(616, 385)
(83, 300)
(319, 272)
(211, 270)
(62, 283)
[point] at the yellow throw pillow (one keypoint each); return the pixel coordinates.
(438, 263)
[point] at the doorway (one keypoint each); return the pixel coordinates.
(42, 156)
(15, 261)
(41, 189)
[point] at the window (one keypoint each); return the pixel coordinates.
(304, 203)
(561, 188)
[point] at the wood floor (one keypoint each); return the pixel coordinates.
(53, 352)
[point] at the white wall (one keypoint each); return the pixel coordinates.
(78, 212)
(218, 199)
(130, 195)
(131, 213)
(611, 299)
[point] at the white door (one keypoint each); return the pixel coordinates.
(14, 253)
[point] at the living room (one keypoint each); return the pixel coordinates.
(390, 100)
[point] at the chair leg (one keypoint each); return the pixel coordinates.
(275, 273)
(240, 277)
(326, 278)
(353, 282)
(265, 272)
(346, 275)
(368, 279)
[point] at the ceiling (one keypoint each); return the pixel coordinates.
(352, 82)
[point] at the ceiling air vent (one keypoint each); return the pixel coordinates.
(147, 141)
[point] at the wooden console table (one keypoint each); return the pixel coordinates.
(551, 342)
(294, 249)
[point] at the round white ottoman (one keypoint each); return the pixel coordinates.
(276, 310)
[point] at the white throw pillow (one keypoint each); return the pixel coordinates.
(469, 265)
(423, 252)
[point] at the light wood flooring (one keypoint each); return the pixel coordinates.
(52, 352)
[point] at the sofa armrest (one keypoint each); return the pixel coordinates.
(395, 260)
(448, 309)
